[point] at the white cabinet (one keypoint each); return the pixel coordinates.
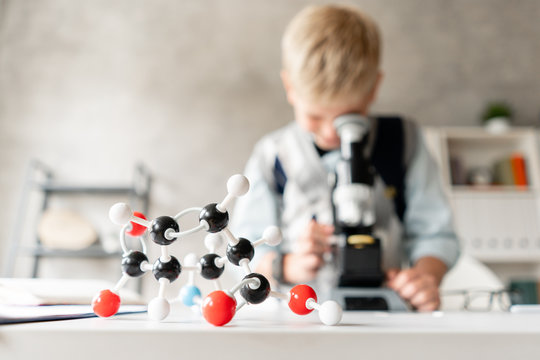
(495, 223)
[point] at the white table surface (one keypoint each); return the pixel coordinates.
(273, 332)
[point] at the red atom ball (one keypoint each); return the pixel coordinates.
(106, 303)
(136, 229)
(218, 308)
(299, 295)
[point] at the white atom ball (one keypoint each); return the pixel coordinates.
(120, 213)
(158, 308)
(330, 312)
(272, 235)
(190, 259)
(238, 185)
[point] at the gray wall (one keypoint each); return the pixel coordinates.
(187, 87)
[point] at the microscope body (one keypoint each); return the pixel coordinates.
(359, 251)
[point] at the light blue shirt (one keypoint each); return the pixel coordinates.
(427, 227)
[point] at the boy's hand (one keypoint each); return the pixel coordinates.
(419, 289)
(302, 265)
(419, 285)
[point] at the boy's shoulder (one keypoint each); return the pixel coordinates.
(272, 141)
(278, 134)
(282, 146)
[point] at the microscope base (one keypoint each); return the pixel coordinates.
(369, 299)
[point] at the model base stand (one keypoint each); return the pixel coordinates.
(220, 306)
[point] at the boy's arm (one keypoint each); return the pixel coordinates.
(432, 266)
(429, 229)
(303, 263)
(431, 243)
(419, 285)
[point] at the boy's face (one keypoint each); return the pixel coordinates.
(319, 119)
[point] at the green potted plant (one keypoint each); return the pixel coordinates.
(497, 117)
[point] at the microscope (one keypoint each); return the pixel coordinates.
(359, 251)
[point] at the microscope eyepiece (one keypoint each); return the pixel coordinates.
(352, 127)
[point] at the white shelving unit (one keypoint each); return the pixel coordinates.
(495, 223)
(40, 183)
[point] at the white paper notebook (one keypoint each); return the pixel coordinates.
(15, 314)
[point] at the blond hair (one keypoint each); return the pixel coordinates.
(331, 53)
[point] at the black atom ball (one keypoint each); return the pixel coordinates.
(255, 296)
(158, 228)
(209, 269)
(216, 219)
(169, 270)
(131, 263)
(243, 250)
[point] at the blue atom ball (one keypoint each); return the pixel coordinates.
(188, 294)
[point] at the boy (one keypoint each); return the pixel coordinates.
(331, 59)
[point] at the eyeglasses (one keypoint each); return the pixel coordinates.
(485, 299)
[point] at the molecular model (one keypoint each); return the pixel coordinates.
(220, 306)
